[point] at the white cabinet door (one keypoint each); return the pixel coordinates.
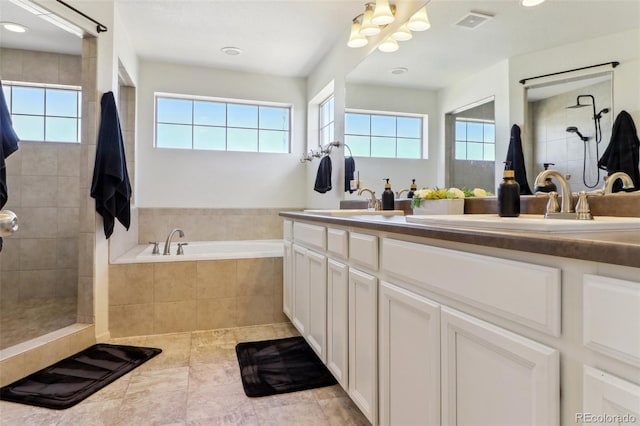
(287, 280)
(608, 399)
(363, 348)
(300, 289)
(491, 376)
(338, 321)
(409, 357)
(317, 303)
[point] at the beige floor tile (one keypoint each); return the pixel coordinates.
(307, 414)
(154, 408)
(329, 392)
(222, 404)
(342, 412)
(219, 337)
(255, 333)
(114, 391)
(212, 354)
(91, 413)
(154, 382)
(292, 398)
(220, 373)
(12, 414)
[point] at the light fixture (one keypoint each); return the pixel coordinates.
(388, 45)
(356, 39)
(382, 14)
(13, 27)
(368, 28)
(399, 70)
(419, 21)
(531, 3)
(231, 51)
(403, 33)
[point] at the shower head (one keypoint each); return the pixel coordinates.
(573, 129)
(579, 105)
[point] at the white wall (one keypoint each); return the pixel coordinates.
(492, 81)
(399, 171)
(217, 179)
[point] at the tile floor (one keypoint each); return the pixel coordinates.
(195, 381)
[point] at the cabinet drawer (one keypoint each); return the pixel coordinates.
(521, 292)
(310, 235)
(287, 229)
(363, 250)
(337, 242)
(612, 317)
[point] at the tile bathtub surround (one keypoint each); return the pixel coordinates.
(166, 297)
(195, 381)
(210, 224)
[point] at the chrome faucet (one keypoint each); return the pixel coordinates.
(167, 244)
(566, 206)
(627, 182)
(374, 203)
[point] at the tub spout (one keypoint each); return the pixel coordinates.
(167, 244)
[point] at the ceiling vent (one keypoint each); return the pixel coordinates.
(473, 20)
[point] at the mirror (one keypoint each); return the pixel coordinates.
(568, 124)
(39, 264)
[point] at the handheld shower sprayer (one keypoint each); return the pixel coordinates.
(573, 129)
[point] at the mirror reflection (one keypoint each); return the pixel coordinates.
(39, 263)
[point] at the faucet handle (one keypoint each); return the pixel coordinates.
(552, 204)
(156, 249)
(180, 249)
(582, 208)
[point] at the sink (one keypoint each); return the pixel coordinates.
(528, 222)
(356, 212)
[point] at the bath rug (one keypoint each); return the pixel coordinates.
(278, 366)
(67, 382)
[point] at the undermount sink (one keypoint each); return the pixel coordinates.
(356, 212)
(528, 222)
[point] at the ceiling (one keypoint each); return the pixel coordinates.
(289, 37)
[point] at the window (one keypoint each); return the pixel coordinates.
(204, 123)
(326, 121)
(44, 113)
(475, 140)
(384, 135)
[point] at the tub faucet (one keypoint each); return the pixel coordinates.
(627, 182)
(373, 201)
(565, 207)
(167, 244)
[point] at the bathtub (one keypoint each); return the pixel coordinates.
(205, 250)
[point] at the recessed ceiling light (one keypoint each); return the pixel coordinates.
(530, 3)
(13, 27)
(231, 51)
(399, 70)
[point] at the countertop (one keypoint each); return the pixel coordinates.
(613, 247)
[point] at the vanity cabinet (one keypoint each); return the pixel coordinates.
(608, 395)
(363, 342)
(287, 279)
(338, 321)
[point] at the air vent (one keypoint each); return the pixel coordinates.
(473, 20)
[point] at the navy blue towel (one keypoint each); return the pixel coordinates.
(8, 145)
(110, 186)
(323, 178)
(349, 170)
(516, 158)
(622, 153)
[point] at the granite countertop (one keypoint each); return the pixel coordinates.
(613, 247)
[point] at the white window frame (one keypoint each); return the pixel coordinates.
(424, 140)
(466, 140)
(326, 125)
(226, 101)
(45, 87)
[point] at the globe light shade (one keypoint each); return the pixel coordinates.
(419, 21)
(368, 28)
(403, 33)
(356, 39)
(389, 45)
(382, 14)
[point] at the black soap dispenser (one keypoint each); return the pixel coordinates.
(548, 185)
(509, 194)
(388, 199)
(413, 189)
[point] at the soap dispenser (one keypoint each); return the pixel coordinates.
(388, 199)
(548, 185)
(509, 194)
(413, 189)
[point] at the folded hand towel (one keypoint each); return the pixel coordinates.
(349, 170)
(323, 178)
(110, 186)
(622, 153)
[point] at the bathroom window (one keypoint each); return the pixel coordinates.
(213, 124)
(475, 140)
(44, 113)
(384, 135)
(326, 121)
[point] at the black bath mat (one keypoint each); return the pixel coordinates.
(67, 382)
(279, 366)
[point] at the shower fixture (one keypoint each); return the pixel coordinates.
(573, 129)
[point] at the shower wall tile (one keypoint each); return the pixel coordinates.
(67, 283)
(14, 191)
(13, 163)
(69, 159)
(9, 286)
(39, 158)
(68, 191)
(86, 244)
(40, 66)
(11, 63)
(67, 253)
(38, 253)
(38, 283)
(11, 254)
(85, 300)
(37, 222)
(42, 191)
(68, 222)
(69, 69)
